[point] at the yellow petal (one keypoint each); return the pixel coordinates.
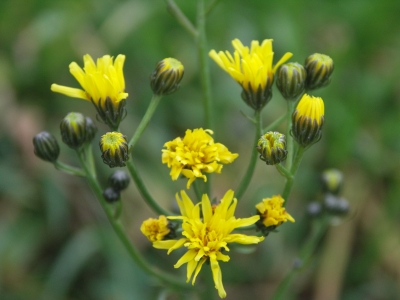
(68, 91)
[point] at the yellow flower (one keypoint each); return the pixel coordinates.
(307, 120)
(103, 84)
(114, 149)
(252, 69)
(155, 229)
(272, 212)
(194, 154)
(207, 234)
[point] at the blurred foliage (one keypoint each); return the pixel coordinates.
(55, 242)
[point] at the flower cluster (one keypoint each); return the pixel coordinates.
(206, 235)
(156, 229)
(195, 154)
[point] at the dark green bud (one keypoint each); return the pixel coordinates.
(336, 205)
(319, 68)
(73, 130)
(272, 147)
(167, 76)
(91, 130)
(46, 146)
(291, 80)
(114, 148)
(119, 180)
(332, 181)
(111, 195)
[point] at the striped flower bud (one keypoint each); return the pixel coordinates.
(291, 80)
(272, 147)
(319, 68)
(307, 120)
(46, 146)
(91, 130)
(73, 130)
(114, 149)
(119, 180)
(332, 181)
(167, 76)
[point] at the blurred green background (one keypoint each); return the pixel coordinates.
(55, 242)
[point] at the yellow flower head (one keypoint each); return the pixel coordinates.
(194, 154)
(272, 147)
(272, 212)
(252, 68)
(307, 120)
(206, 234)
(102, 84)
(155, 229)
(114, 149)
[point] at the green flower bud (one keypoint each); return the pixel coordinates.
(166, 77)
(46, 146)
(307, 120)
(272, 147)
(119, 180)
(258, 98)
(73, 130)
(111, 195)
(319, 68)
(291, 80)
(332, 181)
(91, 130)
(114, 149)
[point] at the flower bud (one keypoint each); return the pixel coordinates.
(114, 149)
(272, 147)
(314, 209)
(291, 80)
(307, 120)
(158, 229)
(336, 205)
(166, 77)
(46, 146)
(332, 181)
(91, 130)
(119, 180)
(319, 68)
(73, 130)
(111, 195)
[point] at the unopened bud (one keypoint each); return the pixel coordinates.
(73, 130)
(114, 149)
(272, 147)
(91, 130)
(119, 180)
(319, 68)
(167, 76)
(111, 195)
(46, 146)
(291, 80)
(332, 181)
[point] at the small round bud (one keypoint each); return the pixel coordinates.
(314, 209)
(46, 146)
(319, 68)
(91, 130)
(307, 120)
(111, 195)
(119, 180)
(332, 181)
(114, 149)
(166, 77)
(272, 147)
(73, 130)
(336, 205)
(291, 80)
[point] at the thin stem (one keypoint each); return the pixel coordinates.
(289, 138)
(155, 100)
(253, 159)
(197, 190)
(69, 169)
(89, 157)
(209, 292)
(211, 6)
(181, 18)
(203, 64)
(289, 182)
(306, 252)
(119, 230)
(276, 123)
(143, 190)
(283, 171)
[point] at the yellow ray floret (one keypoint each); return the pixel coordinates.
(195, 154)
(98, 82)
(272, 211)
(206, 234)
(251, 67)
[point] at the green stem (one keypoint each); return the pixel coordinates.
(155, 100)
(283, 171)
(289, 182)
(209, 291)
(197, 190)
(211, 6)
(276, 123)
(306, 252)
(69, 169)
(89, 157)
(203, 64)
(289, 138)
(253, 159)
(143, 190)
(181, 18)
(119, 230)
